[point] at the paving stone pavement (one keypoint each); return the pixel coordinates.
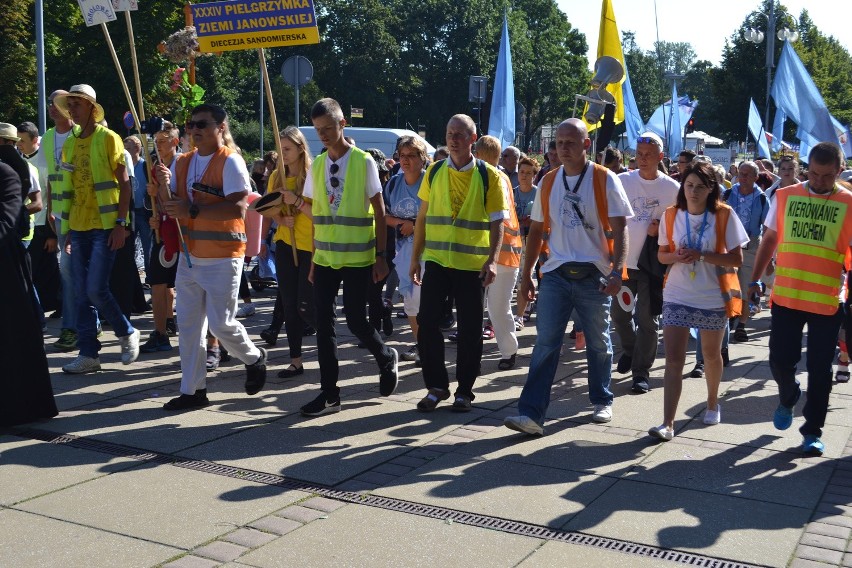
(115, 480)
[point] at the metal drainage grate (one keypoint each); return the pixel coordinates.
(388, 503)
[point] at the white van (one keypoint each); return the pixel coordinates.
(382, 138)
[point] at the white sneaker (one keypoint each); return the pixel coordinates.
(661, 432)
(602, 413)
(81, 365)
(129, 347)
(712, 417)
(523, 424)
(246, 310)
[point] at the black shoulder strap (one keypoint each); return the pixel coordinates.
(726, 195)
(435, 169)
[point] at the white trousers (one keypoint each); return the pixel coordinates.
(498, 295)
(208, 296)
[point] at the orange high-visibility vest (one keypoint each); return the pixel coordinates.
(813, 238)
(510, 249)
(599, 182)
(205, 238)
(729, 284)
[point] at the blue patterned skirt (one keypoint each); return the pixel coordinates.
(679, 315)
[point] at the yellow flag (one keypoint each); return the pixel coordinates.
(609, 43)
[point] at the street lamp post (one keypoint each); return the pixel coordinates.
(756, 36)
(396, 100)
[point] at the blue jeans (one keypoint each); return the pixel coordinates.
(92, 262)
(558, 295)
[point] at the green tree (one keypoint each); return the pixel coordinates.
(18, 62)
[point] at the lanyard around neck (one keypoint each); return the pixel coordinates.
(579, 180)
(697, 245)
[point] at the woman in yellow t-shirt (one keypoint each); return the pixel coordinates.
(294, 289)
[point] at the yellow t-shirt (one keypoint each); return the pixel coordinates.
(84, 214)
(460, 184)
(304, 227)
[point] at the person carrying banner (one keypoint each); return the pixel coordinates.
(207, 192)
(808, 225)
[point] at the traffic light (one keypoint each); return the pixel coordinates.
(690, 125)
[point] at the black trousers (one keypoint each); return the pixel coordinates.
(355, 281)
(296, 295)
(785, 351)
(465, 287)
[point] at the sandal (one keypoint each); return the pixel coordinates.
(842, 375)
(431, 400)
(740, 333)
(506, 364)
(461, 404)
(291, 371)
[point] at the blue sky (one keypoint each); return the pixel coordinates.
(705, 25)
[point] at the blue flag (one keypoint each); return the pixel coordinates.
(501, 123)
(778, 129)
(675, 141)
(755, 126)
(633, 122)
(796, 94)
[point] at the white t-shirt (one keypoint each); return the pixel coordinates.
(235, 176)
(571, 239)
(703, 291)
(649, 199)
(335, 194)
(37, 166)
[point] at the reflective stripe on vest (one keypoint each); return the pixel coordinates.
(105, 185)
(510, 248)
(813, 236)
(206, 238)
(729, 283)
(461, 242)
(347, 239)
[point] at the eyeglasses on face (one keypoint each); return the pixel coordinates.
(199, 124)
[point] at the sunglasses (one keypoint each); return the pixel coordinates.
(647, 140)
(334, 181)
(199, 124)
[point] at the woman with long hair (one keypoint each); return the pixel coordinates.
(700, 239)
(294, 288)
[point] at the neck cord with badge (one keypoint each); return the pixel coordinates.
(697, 245)
(571, 195)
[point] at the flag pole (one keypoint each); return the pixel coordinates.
(280, 166)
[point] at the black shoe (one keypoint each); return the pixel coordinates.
(698, 371)
(270, 336)
(389, 376)
(291, 371)
(225, 356)
(726, 359)
(506, 364)
(156, 342)
(214, 357)
(448, 323)
(640, 385)
(321, 405)
(188, 401)
(740, 334)
(56, 315)
(171, 327)
(454, 337)
(401, 314)
(573, 333)
(625, 362)
(256, 374)
(308, 331)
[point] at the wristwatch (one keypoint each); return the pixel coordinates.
(193, 211)
(121, 222)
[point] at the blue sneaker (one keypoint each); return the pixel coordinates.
(812, 445)
(783, 418)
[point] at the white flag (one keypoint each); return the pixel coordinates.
(97, 12)
(125, 5)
